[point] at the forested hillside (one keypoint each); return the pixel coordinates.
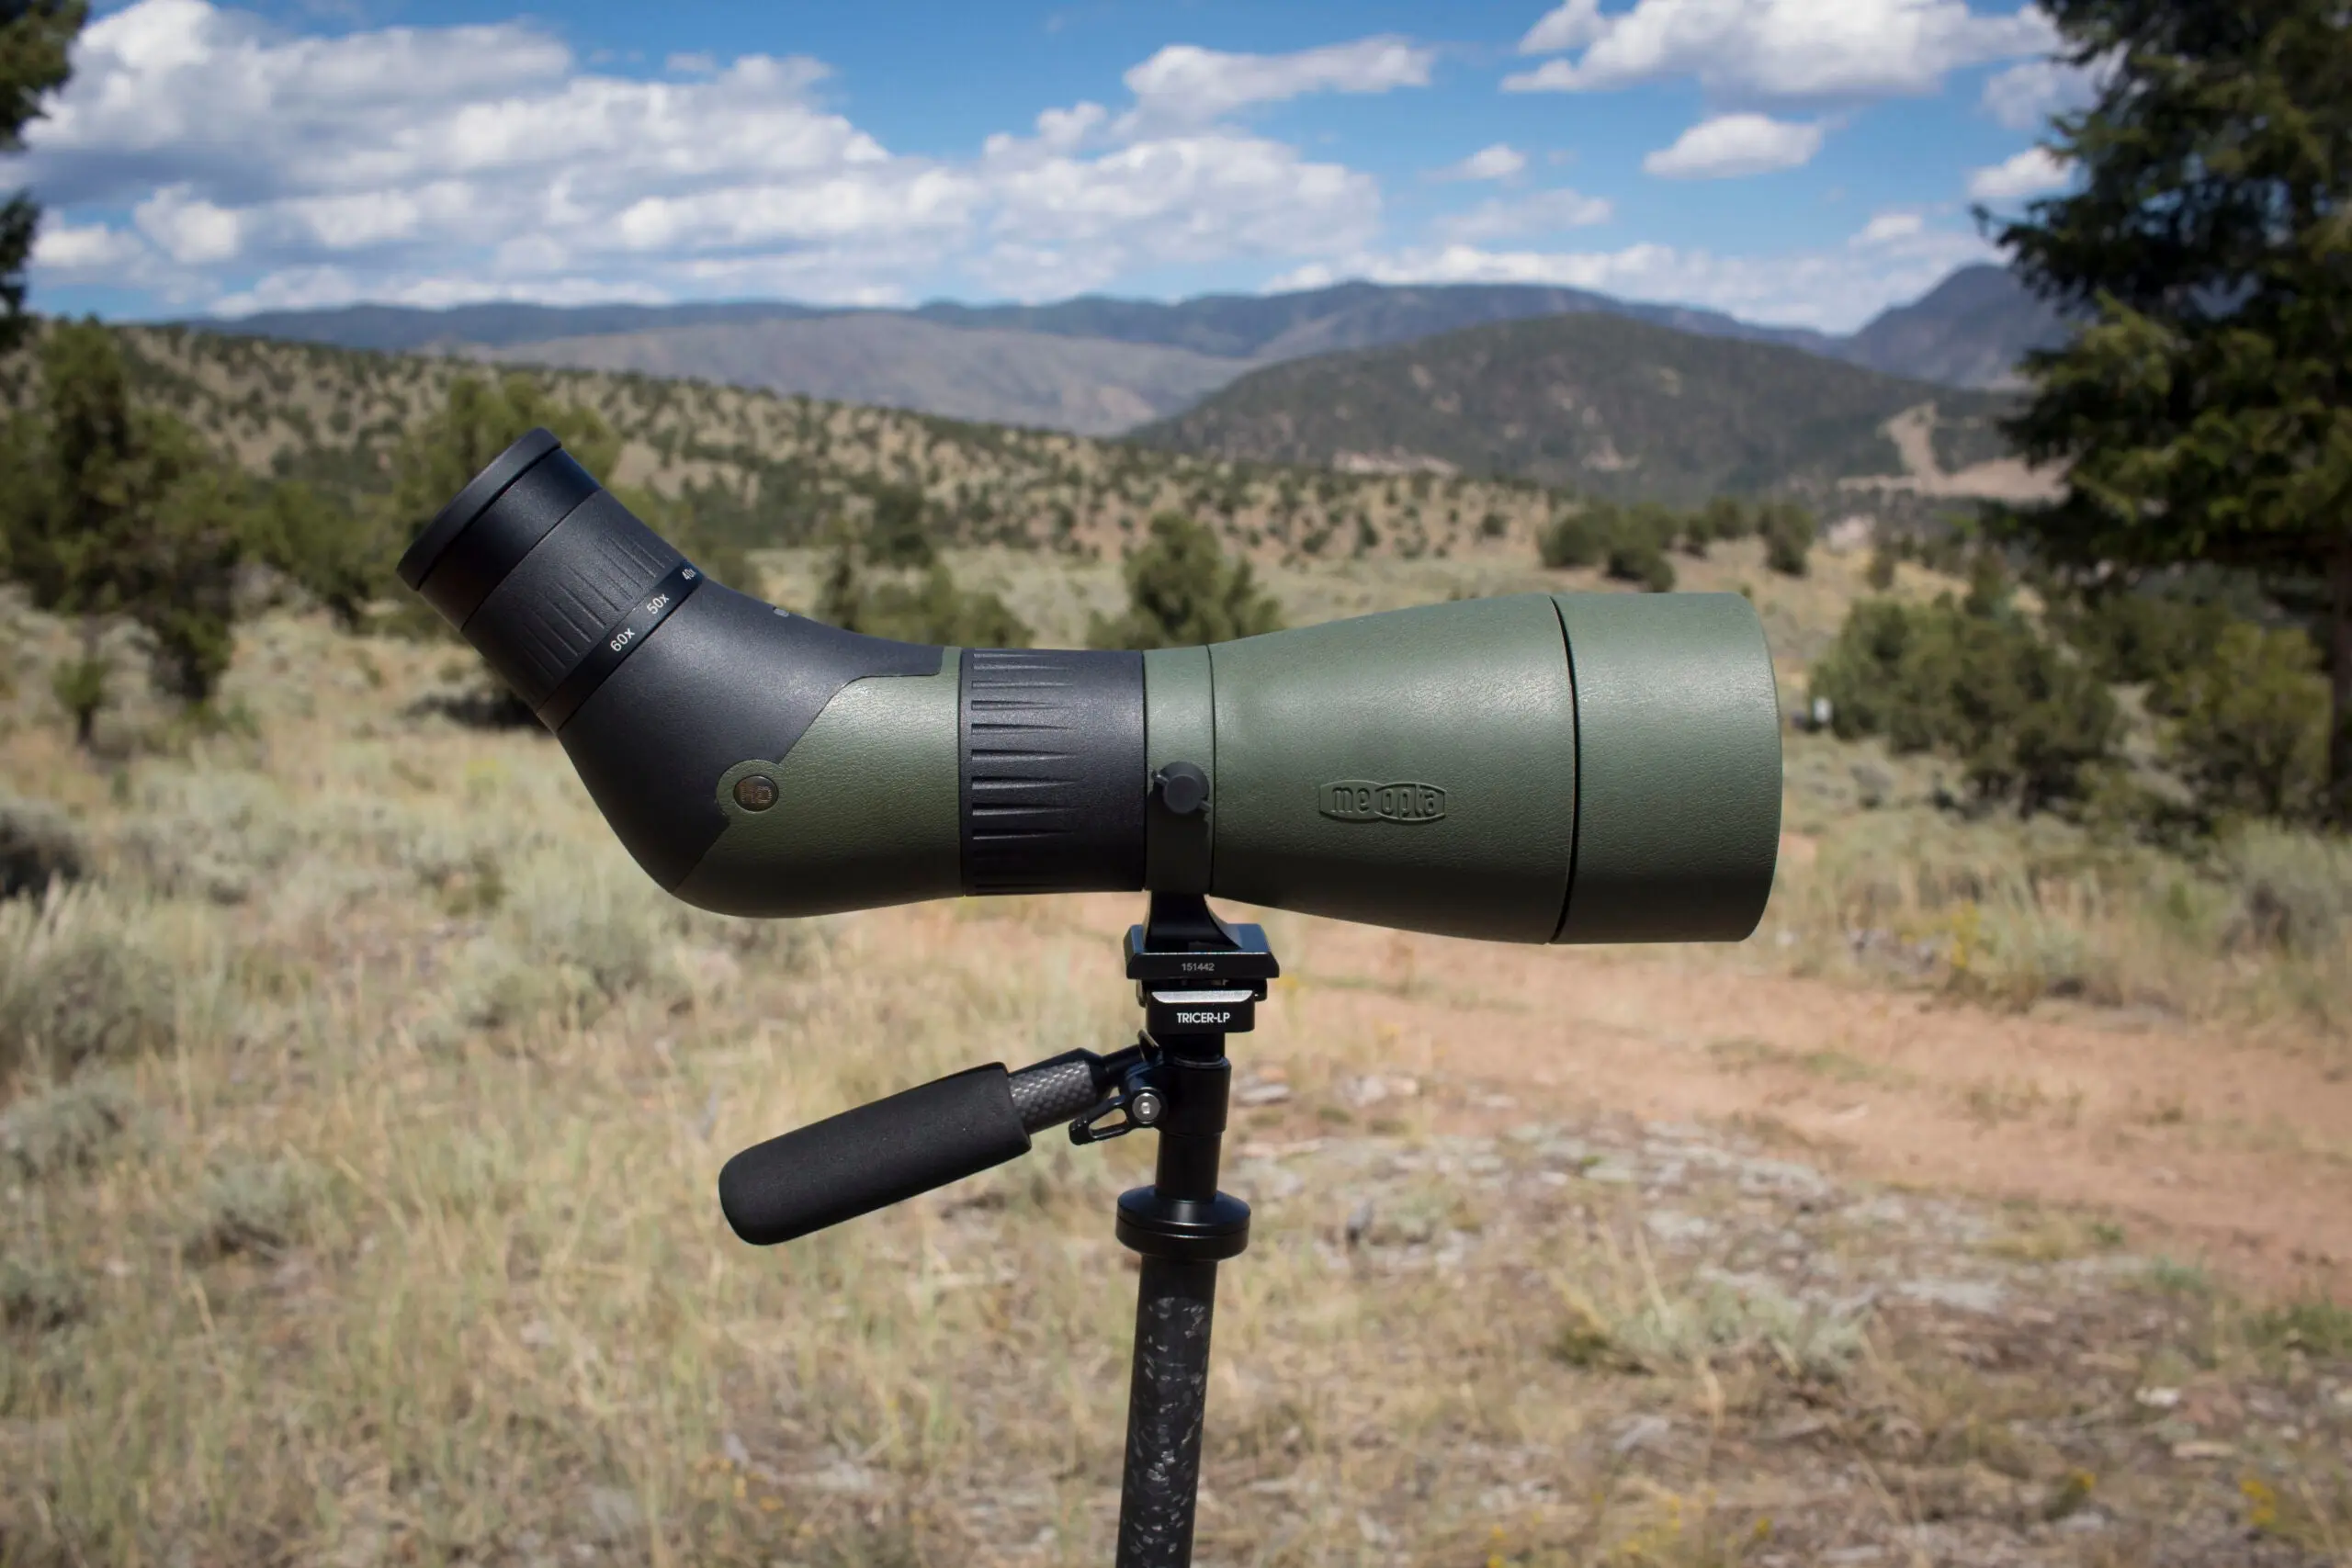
(768, 470)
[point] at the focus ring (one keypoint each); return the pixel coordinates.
(1053, 781)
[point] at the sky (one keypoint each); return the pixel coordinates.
(1799, 161)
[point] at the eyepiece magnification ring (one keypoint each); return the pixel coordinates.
(546, 574)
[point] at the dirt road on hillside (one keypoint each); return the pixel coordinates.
(2199, 1146)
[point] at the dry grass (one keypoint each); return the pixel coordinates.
(1884, 884)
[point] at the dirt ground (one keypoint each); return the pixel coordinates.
(2226, 1151)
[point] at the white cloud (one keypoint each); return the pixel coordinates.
(185, 81)
(1062, 223)
(1311, 275)
(1735, 144)
(189, 228)
(2024, 96)
(847, 204)
(1571, 25)
(2030, 173)
(1541, 212)
(87, 247)
(305, 289)
(1500, 161)
(1764, 50)
(1065, 129)
(1885, 228)
(1185, 85)
(211, 160)
(1834, 290)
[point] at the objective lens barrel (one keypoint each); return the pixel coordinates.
(1532, 768)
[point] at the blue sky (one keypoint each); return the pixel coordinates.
(1806, 162)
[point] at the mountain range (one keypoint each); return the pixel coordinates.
(1971, 330)
(1100, 366)
(1595, 402)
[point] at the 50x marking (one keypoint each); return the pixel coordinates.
(627, 635)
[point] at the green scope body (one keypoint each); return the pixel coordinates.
(1540, 767)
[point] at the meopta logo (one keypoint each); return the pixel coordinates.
(1357, 800)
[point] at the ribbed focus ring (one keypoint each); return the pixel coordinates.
(1053, 776)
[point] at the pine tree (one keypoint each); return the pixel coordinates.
(1181, 591)
(2204, 411)
(480, 420)
(114, 514)
(35, 38)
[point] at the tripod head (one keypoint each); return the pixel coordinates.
(1198, 980)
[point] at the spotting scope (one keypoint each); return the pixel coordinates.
(1540, 767)
(1545, 767)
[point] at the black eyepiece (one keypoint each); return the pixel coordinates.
(425, 552)
(553, 580)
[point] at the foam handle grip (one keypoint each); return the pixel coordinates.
(872, 1157)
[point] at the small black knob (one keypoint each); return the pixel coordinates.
(1183, 787)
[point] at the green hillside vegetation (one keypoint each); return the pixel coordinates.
(760, 470)
(1634, 544)
(1182, 591)
(113, 513)
(2167, 712)
(1596, 403)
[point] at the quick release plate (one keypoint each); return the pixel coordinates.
(1209, 980)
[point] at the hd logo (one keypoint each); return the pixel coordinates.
(1358, 800)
